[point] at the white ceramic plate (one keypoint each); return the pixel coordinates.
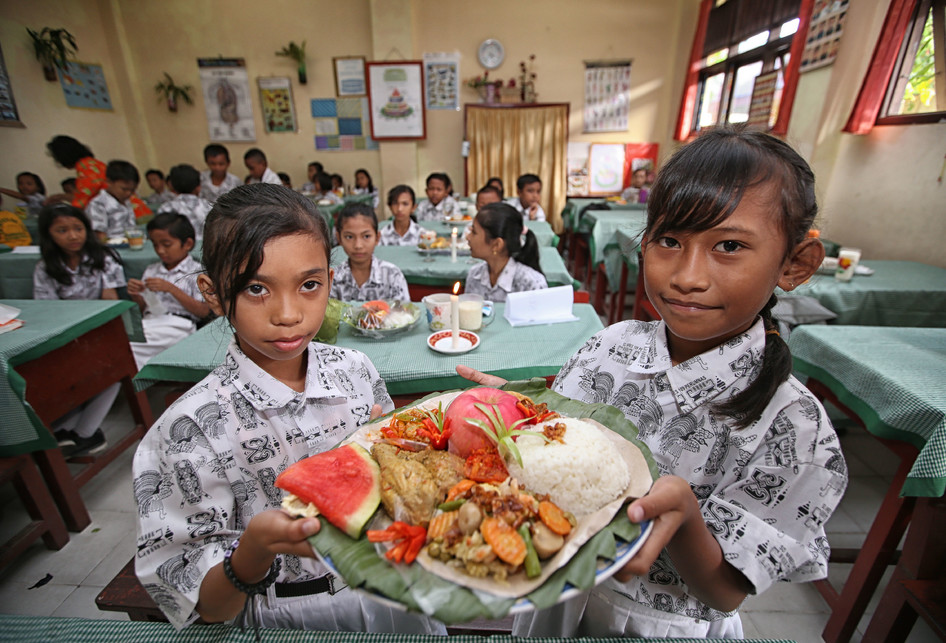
(442, 342)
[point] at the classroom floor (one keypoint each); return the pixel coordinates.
(91, 558)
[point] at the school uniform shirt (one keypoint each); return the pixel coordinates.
(427, 211)
(191, 206)
(515, 277)
(210, 192)
(184, 276)
(34, 203)
(209, 463)
(385, 281)
(87, 282)
(109, 215)
(268, 177)
(390, 237)
(373, 193)
(330, 197)
(765, 491)
(90, 179)
(158, 199)
(539, 213)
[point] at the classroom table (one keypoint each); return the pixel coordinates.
(65, 353)
(542, 230)
(574, 206)
(890, 380)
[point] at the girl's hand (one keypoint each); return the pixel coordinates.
(376, 412)
(477, 377)
(276, 532)
(135, 286)
(159, 285)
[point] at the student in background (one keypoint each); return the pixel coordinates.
(30, 190)
(364, 277)
(286, 180)
(486, 195)
(312, 170)
(529, 190)
(74, 265)
(110, 210)
(403, 231)
(216, 180)
(323, 191)
(161, 194)
(259, 170)
(364, 185)
(68, 187)
(497, 183)
(185, 181)
(338, 185)
(439, 203)
(637, 192)
(167, 292)
(511, 254)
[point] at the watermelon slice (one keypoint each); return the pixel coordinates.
(344, 484)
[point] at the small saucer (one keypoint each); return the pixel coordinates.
(442, 342)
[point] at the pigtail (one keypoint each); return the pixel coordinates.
(528, 253)
(748, 405)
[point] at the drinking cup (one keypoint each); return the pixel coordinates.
(438, 310)
(474, 310)
(136, 238)
(848, 258)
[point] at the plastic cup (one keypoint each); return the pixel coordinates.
(136, 238)
(848, 258)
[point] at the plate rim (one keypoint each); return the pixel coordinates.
(433, 347)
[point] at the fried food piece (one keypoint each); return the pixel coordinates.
(413, 484)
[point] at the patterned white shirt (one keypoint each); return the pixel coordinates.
(386, 281)
(427, 211)
(268, 177)
(109, 215)
(515, 277)
(184, 276)
(376, 197)
(87, 283)
(390, 237)
(35, 203)
(191, 206)
(539, 214)
(157, 199)
(210, 192)
(765, 491)
(209, 463)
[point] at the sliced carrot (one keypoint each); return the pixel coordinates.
(440, 523)
(554, 518)
(505, 541)
(459, 489)
(377, 305)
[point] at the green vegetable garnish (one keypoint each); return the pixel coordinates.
(499, 433)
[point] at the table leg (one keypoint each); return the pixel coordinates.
(62, 488)
(601, 288)
(617, 298)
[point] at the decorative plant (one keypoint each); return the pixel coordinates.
(170, 91)
(53, 48)
(527, 81)
(488, 87)
(297, 53)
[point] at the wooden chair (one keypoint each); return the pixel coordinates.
(46, 522)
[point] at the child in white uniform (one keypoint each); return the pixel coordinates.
(403, 231)
(751, 468)
(364, 277)
(510, 252)
(439, 203)
(204, 474)
(185, 180)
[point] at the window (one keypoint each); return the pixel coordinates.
(916, 91)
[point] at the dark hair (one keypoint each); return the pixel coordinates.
(352, 210)
(486, 189)
(185, 179)
(67, 151)
(176, 225)
(440, 176)
(324, 181)
(159, 173)
(495, 179)
(254, 153)
(215, 149)
(284, 177)
(398, 190)
(701, 186)
(53, 256)
(67, 182)
(502, 221)
(122, 171)
(40, 186)
(318, 167)
(341, 179)
(365, 172)
(240, 224)
(527, 179)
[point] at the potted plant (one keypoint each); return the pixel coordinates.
(170, 91)
(296, 53)
(53, 48)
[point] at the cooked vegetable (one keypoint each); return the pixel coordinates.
(498, 431)
(469, 517)
(451, 505)
(440, 523)
(554, 518)
(532, 566)
(460, 488)
(504, 540)
(408, 540)
(545, 541)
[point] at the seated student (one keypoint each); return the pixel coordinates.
(13, 231)
(497, 183)
(486, 195)
(403, 231)
(637, 192)
(259, 169)
(216, 180)
(364, 277)
(110, 210)
(68, 186)
(511, 256)
(323, 191)
(285, 178)
(30, 190)
(171, 287)
(314, 169)
(439, 203)
(185, 181)
(161, 193)
(529, 189)
(364, 185)
(338, 184)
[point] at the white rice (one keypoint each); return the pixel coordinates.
(581, 476)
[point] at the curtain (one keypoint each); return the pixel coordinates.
(688, 101)
(871, 96)
(510, 141)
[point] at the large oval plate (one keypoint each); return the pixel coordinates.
(354, 312)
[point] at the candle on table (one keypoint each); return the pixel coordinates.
(453, 245)
(455, 316)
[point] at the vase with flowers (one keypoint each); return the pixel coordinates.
(488, 88)
(527, 81)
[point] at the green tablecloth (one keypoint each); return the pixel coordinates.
(893, 378)
(404, 361)
(541, 229)
(899, 293)
(574, 206)
(47, 326)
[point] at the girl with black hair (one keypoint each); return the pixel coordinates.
(31, 190)
(510, 251)
(364, 185)
(751, 468)
(364, 277)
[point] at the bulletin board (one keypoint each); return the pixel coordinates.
(605, 169)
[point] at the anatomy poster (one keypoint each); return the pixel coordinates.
(226, 89)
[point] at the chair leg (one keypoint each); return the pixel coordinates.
(46, 521)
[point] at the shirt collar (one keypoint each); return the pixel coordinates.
(507, 275)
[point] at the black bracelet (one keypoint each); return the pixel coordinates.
(255, 588)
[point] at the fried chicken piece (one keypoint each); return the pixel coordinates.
(413, 484)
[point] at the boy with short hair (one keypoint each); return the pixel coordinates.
(529, 190)
(486, 195)
(68, 186)
(259, 169)
(156, 182)
(439, 203)
(185, 181)
(110, 211)
(216, 180)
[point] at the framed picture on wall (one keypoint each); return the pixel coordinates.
(605, 169)
(275, 97)
(396, 100)
(349, 75)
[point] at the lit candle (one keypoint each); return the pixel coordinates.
(453, 246)
(455, 316)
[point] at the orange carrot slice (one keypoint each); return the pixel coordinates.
(459, 489)
(505, 541)
(440, 523)
(554, 518)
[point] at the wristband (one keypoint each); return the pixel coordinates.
(247, 588)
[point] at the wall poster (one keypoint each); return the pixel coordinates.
(83, 85)
(824, 34)
(9, 116)
(349, 75)
(396, 99)
(607, 95)
(605, 168)
(342, 124)
(275, 96)
(226, 89)
(442, 74)
(763, 97)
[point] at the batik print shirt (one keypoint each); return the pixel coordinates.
(210, 192)
(87, 282)
(109, 215)
(517, 204)
(386, 281)
(184, 276)
(765, 491)
(427, 211)
(209, 463)
(191, 206)
(515, 277)
(390, 237)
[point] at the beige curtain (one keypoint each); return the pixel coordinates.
(514, 140)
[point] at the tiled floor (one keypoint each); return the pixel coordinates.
(91, 558)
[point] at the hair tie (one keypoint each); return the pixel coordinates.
(773, 332)
(522, 237)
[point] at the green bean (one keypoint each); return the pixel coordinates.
(532, 566)
(451, 505)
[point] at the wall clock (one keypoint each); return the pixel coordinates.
(491, 53)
